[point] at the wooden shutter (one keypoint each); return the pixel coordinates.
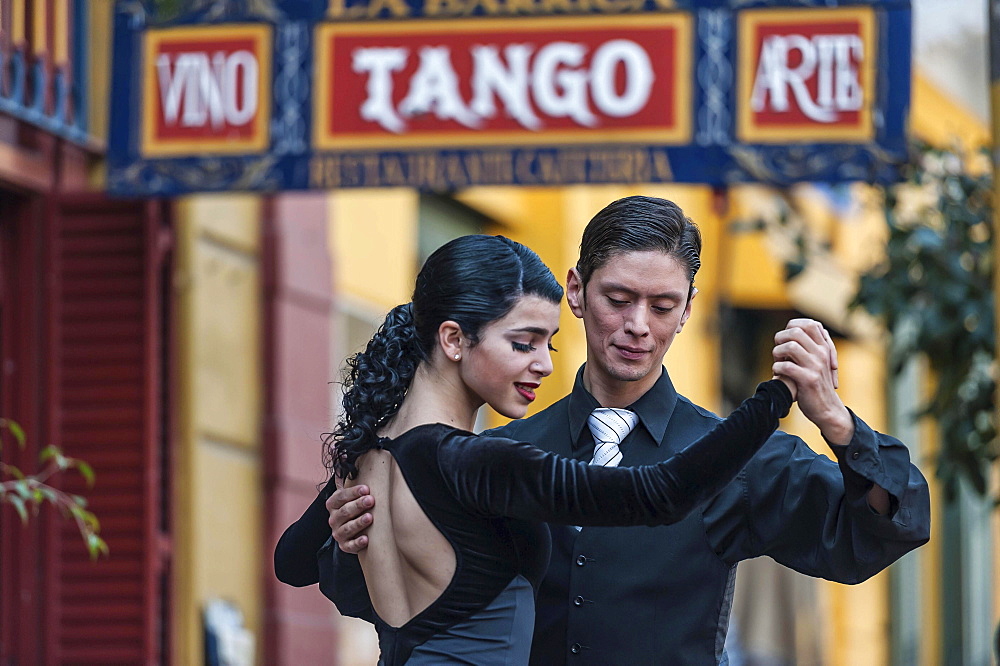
(110, 391)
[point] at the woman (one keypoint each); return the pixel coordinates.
(458, 541)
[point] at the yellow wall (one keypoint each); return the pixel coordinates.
(749, 274)
(218, 498)
(941, 121)
(99, 14)
(857, 625)
(373, 244)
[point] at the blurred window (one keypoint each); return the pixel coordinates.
(442, 219)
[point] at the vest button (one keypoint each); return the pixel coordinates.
(581, 561)
(575, 648)
(578, 601)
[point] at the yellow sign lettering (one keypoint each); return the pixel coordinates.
(565, 6)
(614, 6)
(519, 7)
(473, 165)
(661, 167)
(574, 166)
(522, 167)
(498, 168)
(370, 167)
(338, 9)
(324, 172)
(443, 7)
(392, 171)
(397, 8)
(642, 172)
(490, 7)
(454, 172)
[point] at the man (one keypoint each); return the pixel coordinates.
(662, 595)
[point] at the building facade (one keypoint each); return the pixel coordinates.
(189, 349)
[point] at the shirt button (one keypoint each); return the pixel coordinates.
(575, 648)
(578, 601)
(855, 455)
(581, 560)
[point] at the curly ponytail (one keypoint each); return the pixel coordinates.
(375, 382)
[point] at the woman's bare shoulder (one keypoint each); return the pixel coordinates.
(373, 466)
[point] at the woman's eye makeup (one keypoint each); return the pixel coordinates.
(522, 347)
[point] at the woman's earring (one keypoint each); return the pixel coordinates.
(458, 356)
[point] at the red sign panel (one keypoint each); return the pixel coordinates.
(206, 90)
(473, 83)
(806, 75)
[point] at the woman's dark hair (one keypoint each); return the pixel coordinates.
(472, 280)
(637, 224)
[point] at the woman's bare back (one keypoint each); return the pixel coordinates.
(408, 563)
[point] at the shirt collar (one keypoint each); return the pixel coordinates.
(654, 407)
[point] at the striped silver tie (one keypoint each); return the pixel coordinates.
(609, 426)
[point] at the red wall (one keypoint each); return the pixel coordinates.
(299, 622)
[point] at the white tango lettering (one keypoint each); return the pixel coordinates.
(379, 64)
(552, 82)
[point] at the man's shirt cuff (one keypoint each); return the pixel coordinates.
(872, 458)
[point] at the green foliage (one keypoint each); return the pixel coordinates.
(934, 291)
(166, 10)
(27, 493)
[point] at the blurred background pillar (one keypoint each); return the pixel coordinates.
(300, 625)
(218, 458)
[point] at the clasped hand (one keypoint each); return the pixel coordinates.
(804, 354)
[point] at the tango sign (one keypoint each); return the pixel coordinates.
(446, 94)
(474, 83)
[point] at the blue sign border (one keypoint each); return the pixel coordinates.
(713, 157)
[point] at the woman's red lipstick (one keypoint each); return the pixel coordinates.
(526, 389)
